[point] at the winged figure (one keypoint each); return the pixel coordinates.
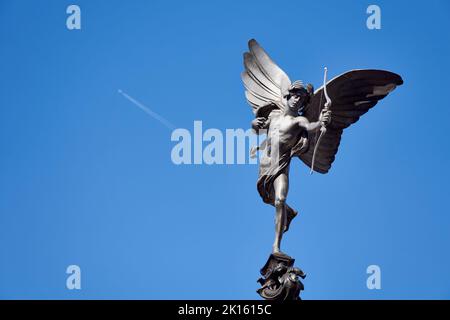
(300, 122)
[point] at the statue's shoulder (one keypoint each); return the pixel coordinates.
(275, 113)
(301, 119)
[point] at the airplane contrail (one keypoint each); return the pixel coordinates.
(148, 111)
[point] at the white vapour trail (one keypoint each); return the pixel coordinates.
(148, 111)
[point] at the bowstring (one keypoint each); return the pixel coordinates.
(318, 115)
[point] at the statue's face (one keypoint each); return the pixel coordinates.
(296, 101)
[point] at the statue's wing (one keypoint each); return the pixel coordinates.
(353, 94)
(264, 81)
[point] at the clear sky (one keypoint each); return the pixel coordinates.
(87, 177)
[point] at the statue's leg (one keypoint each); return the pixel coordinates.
(290, 215)
(280, 186)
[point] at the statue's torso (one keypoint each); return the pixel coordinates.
(285, 130)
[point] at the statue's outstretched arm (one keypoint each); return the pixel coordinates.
(325, 118)
(310, 126)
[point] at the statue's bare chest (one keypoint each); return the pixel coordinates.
(285, 127)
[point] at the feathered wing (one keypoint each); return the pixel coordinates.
(353, 94)
(264, 81)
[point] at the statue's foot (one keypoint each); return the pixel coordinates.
(291, 214)
(278, 252)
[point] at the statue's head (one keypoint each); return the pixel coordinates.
(298, 96)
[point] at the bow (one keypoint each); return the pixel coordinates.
(323, 129)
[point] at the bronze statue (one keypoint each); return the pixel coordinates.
(300, 122)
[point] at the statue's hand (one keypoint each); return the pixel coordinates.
(258, 123)
(325, 117)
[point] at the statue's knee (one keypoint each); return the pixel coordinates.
(280, 201)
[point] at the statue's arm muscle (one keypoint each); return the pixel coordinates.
(306, 125)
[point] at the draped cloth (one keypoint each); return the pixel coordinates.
(270, 167)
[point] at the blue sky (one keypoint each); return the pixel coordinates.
(87, 178)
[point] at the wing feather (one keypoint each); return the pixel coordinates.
(257, 89)
(263, 80)
(353, 94)
(254, 71)
(272, 71)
